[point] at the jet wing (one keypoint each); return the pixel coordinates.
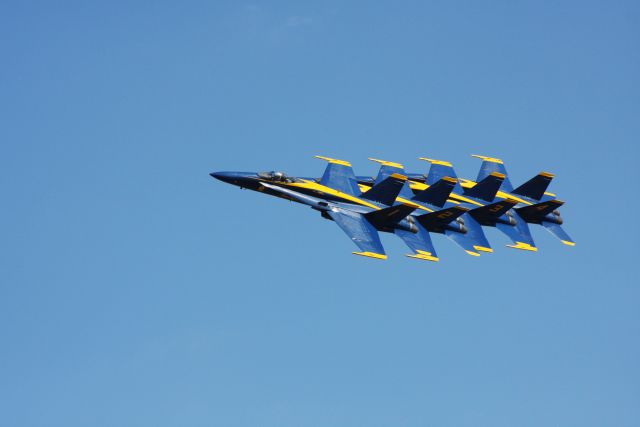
(474, 240)
(420, 243)
(519, 234)
(558, 231)
(363, 234)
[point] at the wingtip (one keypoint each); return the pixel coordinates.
(371, 255)
(523, 246)
(424, 257)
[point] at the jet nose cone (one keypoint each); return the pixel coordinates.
(223, 176)
(242, 179)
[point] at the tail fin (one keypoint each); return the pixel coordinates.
(487, 188)
(387, 190)
(535, 187)
(339, 176)
(388, 217)
(491, 164)
(419, 242)
(436, 221)
(438, 193)
(489, 214)
(559, 232)
(438, 170)
(536, 213)
(389, 168)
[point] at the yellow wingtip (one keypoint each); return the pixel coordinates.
(498, 175)
(336, 161)
(371, 255)
(482, 248)
(568, 243)
(424, 257)
(472, 253)
(488, 159)
(523, 246)
(546, 174)
(386, 163)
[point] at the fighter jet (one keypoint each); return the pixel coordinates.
(360, 215)
(537, 205)
(473, 240)
(479, 199)
(534, 204)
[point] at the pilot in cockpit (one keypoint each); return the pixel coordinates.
(275, 176)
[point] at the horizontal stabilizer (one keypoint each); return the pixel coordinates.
(438, 193)
(536, 213)
(535, 187)
(387, 190)
(388, 217)
(437, 220)
(489, 214)
(559, 232)
(487, 188)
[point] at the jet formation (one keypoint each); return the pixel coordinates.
(414, 205)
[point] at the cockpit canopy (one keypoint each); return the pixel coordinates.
(276, 176)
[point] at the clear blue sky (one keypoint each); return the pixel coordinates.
(137, 291)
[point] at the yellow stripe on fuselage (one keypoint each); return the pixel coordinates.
(364, 187)
(312, 185)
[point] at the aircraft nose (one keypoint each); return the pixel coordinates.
(223, 176)
(242, 179)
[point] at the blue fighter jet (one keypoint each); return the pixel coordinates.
(538, 205)
(361, 216)
(495, 214)
(473, 240)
